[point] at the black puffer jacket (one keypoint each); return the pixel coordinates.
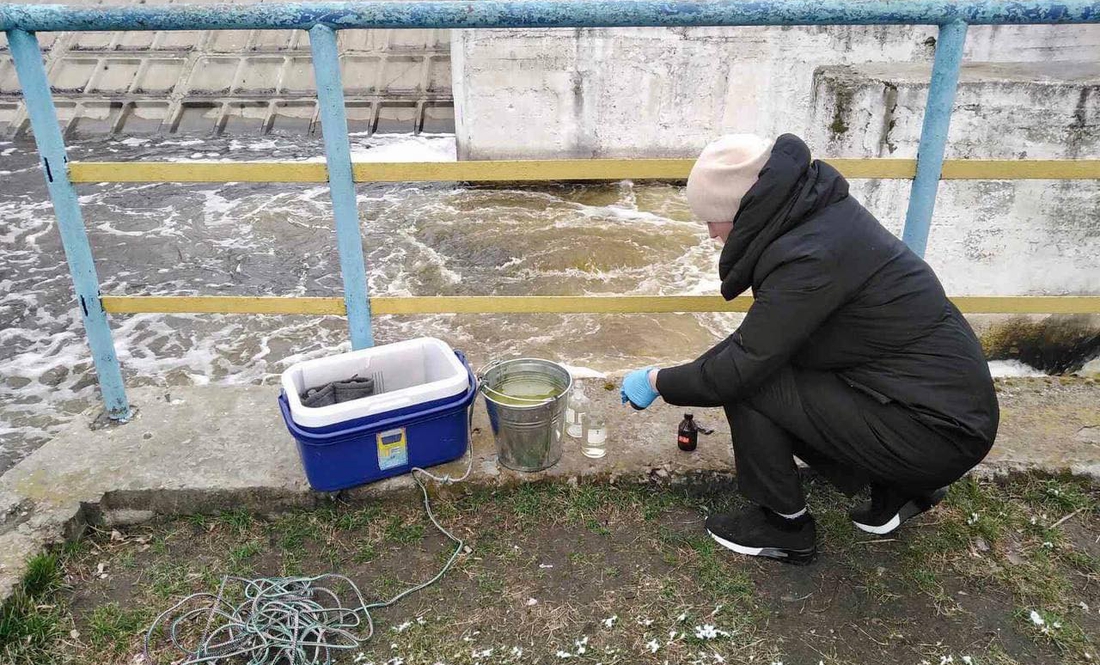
(835, 291)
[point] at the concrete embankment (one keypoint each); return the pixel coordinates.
(205, 449)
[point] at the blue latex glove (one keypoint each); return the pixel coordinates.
(636, 389)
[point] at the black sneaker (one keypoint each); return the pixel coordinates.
(889, 508)
(757, 531)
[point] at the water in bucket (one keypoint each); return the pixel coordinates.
(526, 401)
(522, 391)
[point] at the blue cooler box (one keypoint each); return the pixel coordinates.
(386, 444)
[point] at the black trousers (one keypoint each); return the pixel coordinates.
(844, 434)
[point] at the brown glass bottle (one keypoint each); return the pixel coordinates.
(687, 437)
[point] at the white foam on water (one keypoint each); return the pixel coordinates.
(403, 148)
(1000, 369)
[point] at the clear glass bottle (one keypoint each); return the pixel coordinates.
(594, 444)
(575, 412)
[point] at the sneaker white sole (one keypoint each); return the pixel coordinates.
(909, 510)
(787, 556)
(894, 523)
(740, 549)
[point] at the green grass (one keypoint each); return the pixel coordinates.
(238, 520)
(402, 532)
(30, 620)
(239, 563)
(649, 558)
(1052, 627)
(114, 629)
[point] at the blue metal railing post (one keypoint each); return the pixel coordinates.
(933, 136)
(334, 126)
(74, 238)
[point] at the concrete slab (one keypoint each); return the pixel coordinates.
(204, 449)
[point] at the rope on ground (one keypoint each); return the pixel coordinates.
(276, 620)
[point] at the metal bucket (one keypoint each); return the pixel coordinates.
(528, 429)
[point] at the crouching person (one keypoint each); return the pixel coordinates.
(851, 357)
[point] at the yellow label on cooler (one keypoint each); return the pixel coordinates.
(392, 449)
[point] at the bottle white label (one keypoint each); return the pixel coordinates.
(597, 435)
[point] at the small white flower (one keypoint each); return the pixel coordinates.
(968, 660)
(1057, 625)
(1036, 619)
(719, 659)
(708, 632)
(1084, 606)
(517, 652)
(683, 617)
(777, 662)
(581, 645)
(420, 621)
(973, 519)
(532, 601)
(403, 627)
(1049, 545)
(610, 621)
(653, 645)
(944, 660)
(563, 654)
(359, 657)
(645, 622)
(484, 653)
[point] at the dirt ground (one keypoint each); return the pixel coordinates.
(1000, 573)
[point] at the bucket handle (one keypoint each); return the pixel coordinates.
(483, 387)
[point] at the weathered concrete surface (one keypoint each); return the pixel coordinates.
(989, 237)
(202, 449)
(667, 92)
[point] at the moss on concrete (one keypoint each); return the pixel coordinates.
(1059, 344)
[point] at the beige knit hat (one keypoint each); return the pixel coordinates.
(724, 173)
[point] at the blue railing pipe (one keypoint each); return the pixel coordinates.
(74, 238)
(334, 128)
(558, 14)
(933, 135)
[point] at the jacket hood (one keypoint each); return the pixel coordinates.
(791, 188)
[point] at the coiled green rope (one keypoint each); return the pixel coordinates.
(282, 620)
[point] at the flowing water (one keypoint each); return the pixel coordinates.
(277, 239)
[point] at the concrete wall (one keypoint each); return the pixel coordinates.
(238, 82)
(1029, 91)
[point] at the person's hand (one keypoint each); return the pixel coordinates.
(639, 387)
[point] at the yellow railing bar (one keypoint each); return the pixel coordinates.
(542, 304)
(549, 170)
(1021, 169)
(222, 305)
